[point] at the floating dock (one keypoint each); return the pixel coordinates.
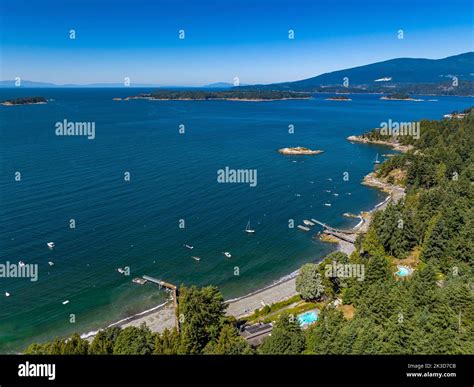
(139, 281)
(303, 228)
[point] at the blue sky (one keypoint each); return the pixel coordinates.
(224, 39)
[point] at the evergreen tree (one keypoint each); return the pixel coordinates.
(75, 346)
(202, 312)
(168, 343)
(228, 343)
(104, 341)
(286, 338)
(134, 341)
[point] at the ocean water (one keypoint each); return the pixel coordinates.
(173, 176)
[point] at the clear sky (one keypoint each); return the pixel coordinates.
(224, 39)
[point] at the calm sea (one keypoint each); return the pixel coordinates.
(173, 177)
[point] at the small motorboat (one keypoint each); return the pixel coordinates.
(7, 294)
(65, 302)
(21, 263)
(196, 258)
(189, 247)
(50, 263)
(51, 245)
(120, 270)
(227, 254)
(327, 204)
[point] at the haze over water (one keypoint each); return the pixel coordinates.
(173, 176)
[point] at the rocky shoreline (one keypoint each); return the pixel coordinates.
(392, 144)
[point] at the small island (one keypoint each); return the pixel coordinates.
(339, 98)
(398, 97)
(228, 95)
(25, 101)
(299, 150)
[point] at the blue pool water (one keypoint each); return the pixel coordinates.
(403, 271)
(308, 318)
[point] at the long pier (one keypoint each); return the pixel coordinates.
(333, 230)
(160, 282)
(173, 288)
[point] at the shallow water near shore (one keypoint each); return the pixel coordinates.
(172, 176)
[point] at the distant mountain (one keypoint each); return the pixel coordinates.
(221, 85)
(393, 72)
(26, 84)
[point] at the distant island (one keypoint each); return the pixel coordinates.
(398, 97)
(299, 150)
(228, 95)
(339, 98)
(25, 101)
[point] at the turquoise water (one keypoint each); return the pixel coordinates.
(403, 271)
(308, 318)
(173, 177)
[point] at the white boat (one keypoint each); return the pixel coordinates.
(120, 270)
(189, 247)
(308, 222)
(65, 302)
(327, 190)
(304, 228)
(50, 263)
(227, 254)
(7, 294)
(21, 263)
(196, 258)
(248, 230)
(336, 194)
(51, 245)
(327, 204)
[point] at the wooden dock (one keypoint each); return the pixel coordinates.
(167, 285)
(328, 229)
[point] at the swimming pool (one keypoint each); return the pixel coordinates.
(308, 318)
(403, 271)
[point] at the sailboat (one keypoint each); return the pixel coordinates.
(377, 161)
(248, 230)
